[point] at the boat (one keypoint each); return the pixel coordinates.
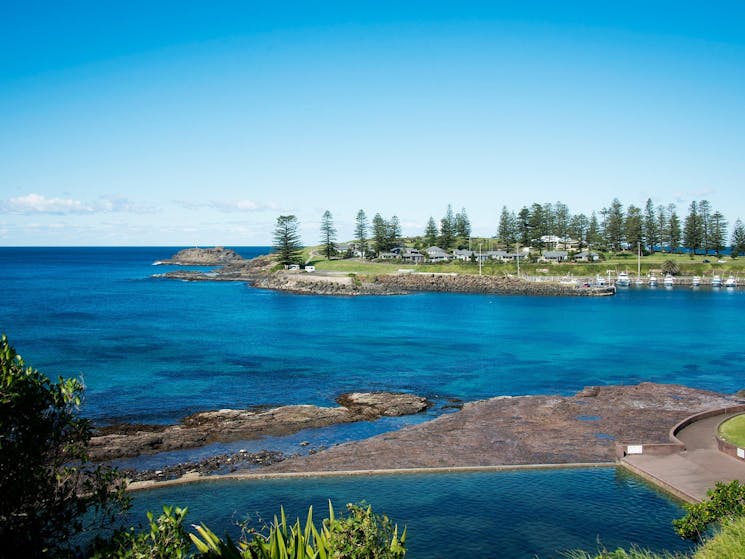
(652, 280)
(669, 281)
(623, 279)
(696, 281)
(730, 282)
(716, 281)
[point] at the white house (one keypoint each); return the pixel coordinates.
(555, 256)
(436, 254)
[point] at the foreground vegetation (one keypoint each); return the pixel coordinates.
(360, 534)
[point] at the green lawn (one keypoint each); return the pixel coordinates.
(612, 263)
(733, 430)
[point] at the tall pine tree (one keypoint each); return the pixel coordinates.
(287, 243)
(328, 235)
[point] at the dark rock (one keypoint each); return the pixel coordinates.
(216, 256)
(524, 430)
(376, 404)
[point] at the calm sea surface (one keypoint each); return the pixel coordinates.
(153, 350)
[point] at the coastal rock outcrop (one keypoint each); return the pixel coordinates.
(524, 430)
(127, 440)
(377, 404)
(214, 256)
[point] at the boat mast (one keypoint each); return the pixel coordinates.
(638, 260)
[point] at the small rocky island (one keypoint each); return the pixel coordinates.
(215, 256)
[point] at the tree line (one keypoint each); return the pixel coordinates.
(703, 230)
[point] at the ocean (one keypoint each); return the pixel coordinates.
(155, 350)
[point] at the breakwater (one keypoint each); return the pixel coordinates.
(471, 283)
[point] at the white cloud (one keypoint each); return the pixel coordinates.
(39, 204)
(228, 206)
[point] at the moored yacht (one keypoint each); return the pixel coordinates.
(716, 281)
(623, 279)
(652, 280)
(696, 281)
(669, 281)
(730, 282)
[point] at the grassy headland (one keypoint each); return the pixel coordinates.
(613, 262)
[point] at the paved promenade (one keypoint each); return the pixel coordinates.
(689, 474)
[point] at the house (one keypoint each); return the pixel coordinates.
(586, 256)
(436, 254)
(411, 255)
(500, 255)
(343, 248)
(555, 256)
(462, 254)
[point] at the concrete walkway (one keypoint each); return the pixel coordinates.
(689, 474)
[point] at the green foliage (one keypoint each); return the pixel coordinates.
(287, 240)
(725, 502)
(165, 539)
(360, 535)
(328, 235)
(738, 239)
(48, 491)
(363, 535)
(729, 543)
(633, 553)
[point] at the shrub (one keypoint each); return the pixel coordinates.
(729, 542)
(165, 539)
(48, 491)
(725, 502)
(362, 534)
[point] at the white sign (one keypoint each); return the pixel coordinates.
(635, 449)
(741, 453)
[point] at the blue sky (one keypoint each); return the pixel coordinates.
(195, 123)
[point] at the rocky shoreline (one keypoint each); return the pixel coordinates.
(500, 431)
(130, 440)
(524, 430)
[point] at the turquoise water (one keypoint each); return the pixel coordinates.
(154, 350)
(510, 515)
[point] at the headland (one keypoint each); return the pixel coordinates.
(262, 272)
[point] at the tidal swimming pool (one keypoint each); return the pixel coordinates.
(510, 514)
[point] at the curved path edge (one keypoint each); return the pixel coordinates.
(246, 476)
(691, 463)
